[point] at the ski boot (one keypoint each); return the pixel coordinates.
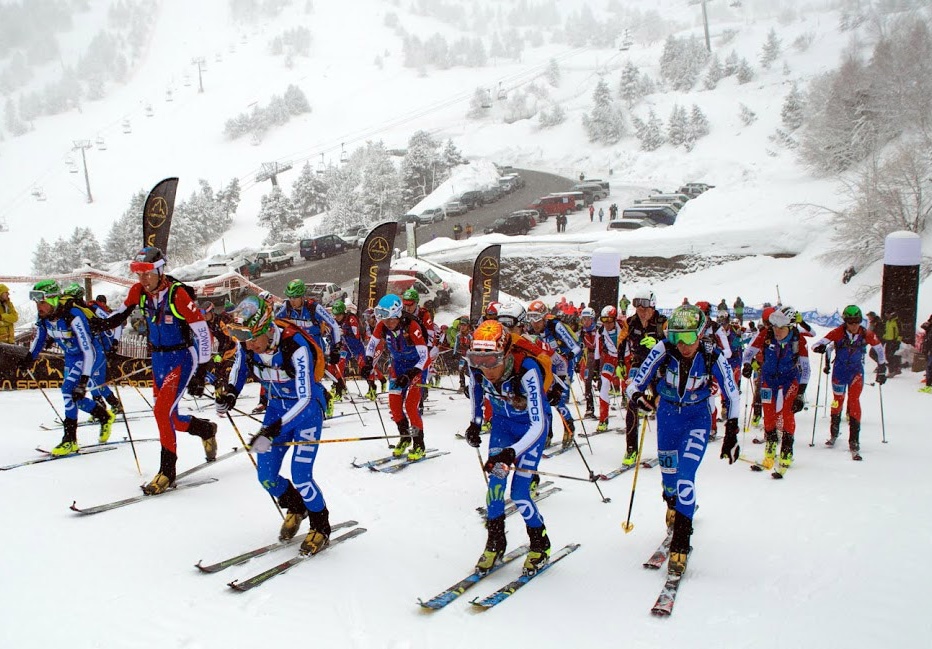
(927, 389)
(671, 511)
(105, 418)
(384, 385)
(755, 420)
(535, 483)
(115, 406)
(69, 441)
(854, 439)
(589, 414)
(417, 450)
(404, 441)
(318, 537)
(786, 451)
(833, 430)
(486, 427)
(494, 546)
(630, 457)
(258, 410)
(539, 554)
(602, 427)
(770, 449)
(296, 512)
(569, 432)
(328, 412)
(207, 431)
(370, 394)
(679, 544)
(165, 478)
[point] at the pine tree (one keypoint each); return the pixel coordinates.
(554, 117)
(553, 73)
(647, 85)
(653, 132)
(605, 123)
(771, 50)
(451, 156)
(228, 197)
(42, 259)
(793, 107)
(14, 125)
(309, 192)
(731, 64)
(745, 73)
(380, 190)
(477, 107)
(714, 74)
(678, 126)
(698, 127)
(747, 115)
(419, 168)
(278, 214)
(629, 89)
(125, 236)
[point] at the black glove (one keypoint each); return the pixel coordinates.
(730, 448)
(466, 390)
(225, 402)
(472, 435)
(261, 442)
(498, 464)
(641, 402)
(554, 394)
(747, 370)
(818, 349)
(881, 377)
(79, 391)
(800, 401)
(196, 384)
(334, 357)
(366, 369)
(826, 368)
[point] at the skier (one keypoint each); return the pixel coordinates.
(609, 341)
(588, 367)
(513, 381)
(784, 373)
(290, 365)
(684, 367)
(566, 354)
(85, 365)
(351, 337)
(222, 360)
(645, 327)
(850, 340)
(406, 342)
(409, 302)
(180, 343)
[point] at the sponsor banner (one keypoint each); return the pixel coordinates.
(157, 214)
(486, 276)
(49, 373)
(375, 260)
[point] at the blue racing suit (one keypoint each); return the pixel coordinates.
(684, 412)
(567, 352)
(520, 420)
(309, 318)
(287, 372)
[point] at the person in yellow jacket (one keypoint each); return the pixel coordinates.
(8, 316)
(891, 342)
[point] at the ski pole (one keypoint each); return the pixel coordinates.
(592, 477)
(126, 376)
(883, 425)
(747, 419)
(627, 526)
(128, 433)
(581, 424)
(340, 440)
(441, 388)
(553, 475)
(485, 476)
(815, 415)
(139, 392)
(382, 421)
(253, 460)
(33, 377)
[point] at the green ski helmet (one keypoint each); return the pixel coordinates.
(295, 288)
(852, 312)
(46, 290)
(412, 295)
(74, 290)
(685, 324)
(339, 308)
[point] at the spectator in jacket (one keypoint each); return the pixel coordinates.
(8, 316)
(891, 342)
(927, 350)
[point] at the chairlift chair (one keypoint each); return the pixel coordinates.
(127, 127)
(344, 156)
(502, 93)
(38, 194)
(101, 144)
(320, 165)
(71, 164)
(487, 100)
(187, 80)
(149, 111)
(169, 97)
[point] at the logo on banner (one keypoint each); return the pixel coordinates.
(488, 266)
(378, 249)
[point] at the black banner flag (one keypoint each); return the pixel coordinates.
(375, 260)
(157, 214)
(485, 281)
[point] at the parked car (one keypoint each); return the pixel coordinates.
(630, 224)
(492, 194)
(648, 202)
(578, 199)
(669, 198)
(275, 259)
(431, 215)
(455, 208)
(598, 181)
(472, 199)
(535, 216)
(355, 236)
(430, 279)
(660, 214)
(398, 284)
(596, 189)
(511, 225)
(325, 293)
(552, 205)
(322, 247)
(410, 217)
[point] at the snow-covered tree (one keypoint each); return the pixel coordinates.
(648, 87)
(604, 123)
(228, 197)
(451, 156)
(380, 190)
(677, 126)
(309, 192)
(731, 64)
(793, 108)
(43, 258)
(477, 108)
(296, 101)
(652, 134)
(343, 195)
(698, 127)
(419, 169)
(553, 74)
(745, 73)
(553, 117)
(125, 236)
(771, 49)
(681, 61)
(747, 115)
(629, 88)
(278, 214)
(14, 125)
(714, 74)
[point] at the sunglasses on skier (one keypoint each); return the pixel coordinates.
(484, 360)
(685, 337)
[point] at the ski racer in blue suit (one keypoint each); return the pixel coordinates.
(685, 367)
(290, 365)
(567, 352)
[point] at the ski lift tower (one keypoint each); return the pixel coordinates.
(84, 145)
(270, 171)
(199, 62)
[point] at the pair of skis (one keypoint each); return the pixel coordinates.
(393, 464)
(511, 507)
(624, 468)
(281, 568)
(180, 484)
(663, 607)
(90, 449)
(450, 595)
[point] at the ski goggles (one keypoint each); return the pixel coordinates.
(240, 334)
(484, 360)
(642, 302)
(607, 319)
(145, 266)
(508, 321)
(42, 296)
(685, 337)
(534, 316)
(852, 320)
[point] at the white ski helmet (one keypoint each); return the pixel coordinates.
(588, 312)
(512, 314)
(609, 313)
(645, 299)
(783, 316)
